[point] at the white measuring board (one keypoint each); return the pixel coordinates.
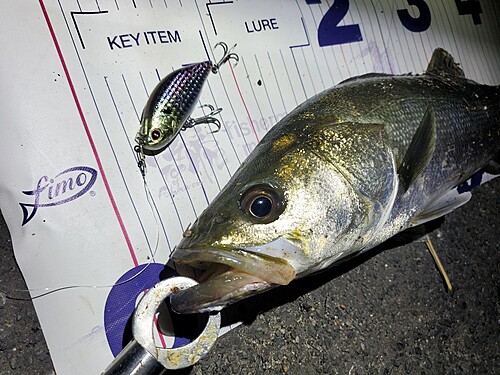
(75, 77)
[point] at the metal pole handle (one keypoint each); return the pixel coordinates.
(134, 360)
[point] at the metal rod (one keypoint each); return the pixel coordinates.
(134, 360)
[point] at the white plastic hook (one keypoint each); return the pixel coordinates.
(142, 327)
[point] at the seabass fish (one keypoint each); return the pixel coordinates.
(343, 172)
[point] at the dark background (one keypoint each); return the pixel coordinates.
(386, 312)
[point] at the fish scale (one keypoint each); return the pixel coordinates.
(400, 110)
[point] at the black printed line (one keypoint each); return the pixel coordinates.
(348, 19)
(307, 36)
(91, 91)
(194, 165)
(217, 106)
(230, 104)
(202, 185)
(288, 76)
(358, 45)
(206, 153)
(120, 120)
(228, 137)
(151, 197)
(462, 56)
(169, 194)
(322, 49)
(314, 53)
(382, 36)
(492, 39)
(234, 114)
(158, 166)
(131, 99)
(294, 59)
(265, 88)
(471, 29)
(309, 71)
(208, 5)
(177, 166)
(253, 92)
(73, 14)
(277, 82)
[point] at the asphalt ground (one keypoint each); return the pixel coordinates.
(384, 312)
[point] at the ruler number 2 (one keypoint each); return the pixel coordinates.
(329, 31)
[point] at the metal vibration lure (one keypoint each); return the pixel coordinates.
(171, 104)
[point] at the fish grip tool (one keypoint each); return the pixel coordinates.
(141, 356)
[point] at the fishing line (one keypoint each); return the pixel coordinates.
(47, 291)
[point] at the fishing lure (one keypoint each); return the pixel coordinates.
(171, 104)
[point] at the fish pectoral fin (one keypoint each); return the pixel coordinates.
(441, 206)
(420, 150)
(442, 63)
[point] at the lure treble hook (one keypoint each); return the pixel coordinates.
(207, 119)
(228, 55)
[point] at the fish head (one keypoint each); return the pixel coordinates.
(284, 214)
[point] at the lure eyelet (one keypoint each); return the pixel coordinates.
(262, 203)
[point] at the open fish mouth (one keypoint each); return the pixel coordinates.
(229, 275)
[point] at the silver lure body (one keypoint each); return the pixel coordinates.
(170, 104)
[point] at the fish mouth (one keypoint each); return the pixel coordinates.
(229, 275)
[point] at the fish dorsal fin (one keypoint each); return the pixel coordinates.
(419, 151)
(442, 63)
(442, 206)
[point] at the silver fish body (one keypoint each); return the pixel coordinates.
(340, 174)
(170, 104)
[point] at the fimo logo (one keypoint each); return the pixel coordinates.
(65, 187)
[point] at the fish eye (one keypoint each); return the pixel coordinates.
(155, 134)
(262, 203)
(261, 206)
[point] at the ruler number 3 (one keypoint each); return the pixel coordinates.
(423, 21)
